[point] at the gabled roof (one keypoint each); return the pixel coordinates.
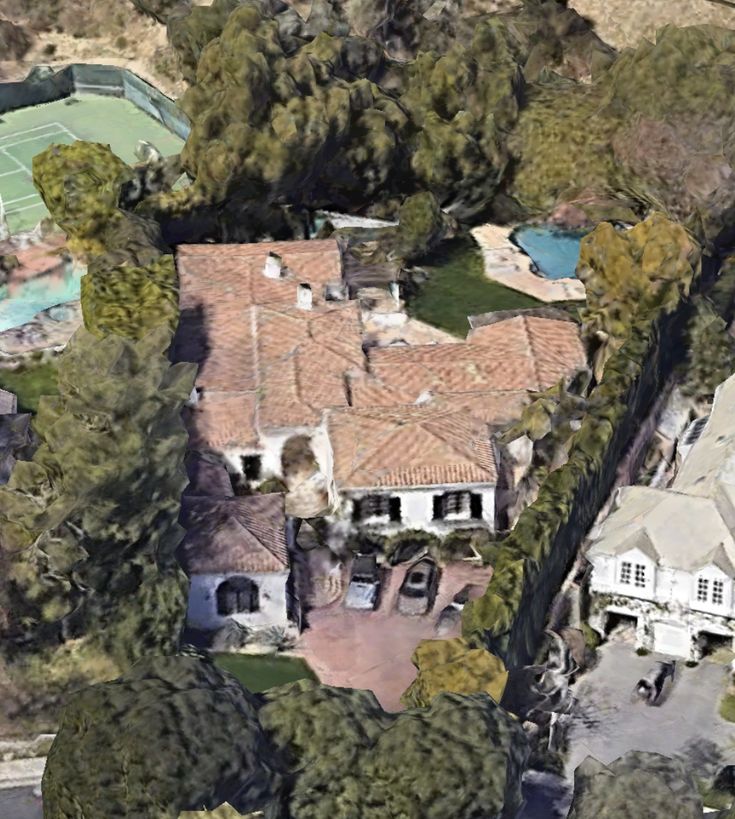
(676, 530)
(519, 353)
(225, 275)
(222, 420)
(207, 476)
(303, 359)
(239, 534)
(409, 446)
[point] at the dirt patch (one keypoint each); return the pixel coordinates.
(84, 31)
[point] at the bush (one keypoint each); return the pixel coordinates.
(121, 43)
(642, 652)
(405, 545)
(591, 638)
(727, 707)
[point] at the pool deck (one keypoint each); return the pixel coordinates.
(508, 265)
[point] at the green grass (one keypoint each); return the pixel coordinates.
(727, 707)
(29, 382)
(457, 287)
(258, 672)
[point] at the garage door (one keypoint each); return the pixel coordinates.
(671, 638)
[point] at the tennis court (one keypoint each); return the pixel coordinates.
(24, 133)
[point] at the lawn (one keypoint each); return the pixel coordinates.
(457, 287)
(257, 672)
(29, 382)
(727, 707)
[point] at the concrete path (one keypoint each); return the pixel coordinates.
(607, 724)
(21, 772)
(20, 803)
(510, 266)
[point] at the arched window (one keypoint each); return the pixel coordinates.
(237, 595)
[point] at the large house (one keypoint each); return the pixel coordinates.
(284, 356)
(665, 558)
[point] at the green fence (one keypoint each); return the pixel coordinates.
(43, 84)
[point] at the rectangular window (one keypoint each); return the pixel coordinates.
(250, 467)
(456, 504)
(702, 590)
(640, 576)
(718, 592)
(625, 571)
(376, 506)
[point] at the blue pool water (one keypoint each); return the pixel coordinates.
(554, 251)
(36, 295)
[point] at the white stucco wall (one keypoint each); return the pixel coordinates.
(202, 608)
(232, 457)
(417, 511)
(667, 586)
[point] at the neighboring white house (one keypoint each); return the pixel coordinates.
(665, 558)
(236, 554)
(410, 467)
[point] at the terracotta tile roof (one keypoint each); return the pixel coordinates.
(220, 340)
(240, 534)
(222, 275)
(553, 347)
(221, 420)
(495, 407)
(409, 446)
(514, 354)
(303, 357)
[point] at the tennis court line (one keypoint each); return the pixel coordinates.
(10, 212)
(20, 165)
(20, 199)
(34, 138)
(31, 130)
(8, 173)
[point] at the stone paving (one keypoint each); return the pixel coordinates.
(359, 649)
(607, 724)
(508, 265)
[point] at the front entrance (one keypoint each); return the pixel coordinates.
(620, 627)
(671, 638)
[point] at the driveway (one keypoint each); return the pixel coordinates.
(372, 649)
(606, 724)
(20, 803)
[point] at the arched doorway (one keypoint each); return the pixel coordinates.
(237, 595)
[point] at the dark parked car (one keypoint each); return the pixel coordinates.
(418, 590)
(364, 586)
(451, 614)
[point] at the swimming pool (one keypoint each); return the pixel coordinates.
(38, 294)
(553, 250)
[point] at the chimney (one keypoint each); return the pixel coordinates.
(395, 291)
(304, 299)
(273, 266)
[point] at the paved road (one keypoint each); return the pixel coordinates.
(20, 803)
(607, 725)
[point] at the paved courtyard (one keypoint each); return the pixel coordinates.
(686, 722)
(372, 649)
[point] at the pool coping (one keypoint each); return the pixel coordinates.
(508, 265)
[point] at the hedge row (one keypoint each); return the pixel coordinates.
(540, 550)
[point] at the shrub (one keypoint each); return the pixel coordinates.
(121, 43)
(404, 545)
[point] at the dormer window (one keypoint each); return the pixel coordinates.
(718, 592)
(640, 576)
(710, 591)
